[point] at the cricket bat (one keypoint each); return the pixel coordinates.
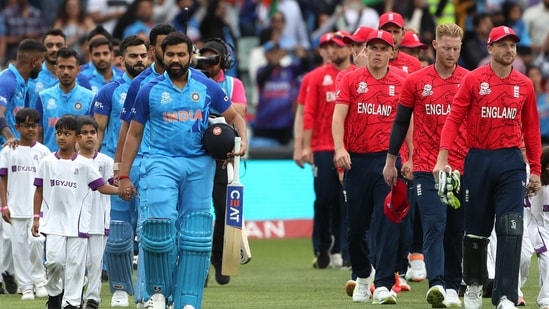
(234, 220)
(245, 252)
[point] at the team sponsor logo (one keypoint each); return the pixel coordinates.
(405, 68)
(98, 105)
(52, 104)
(516, 91)
(391, 90)
(3, 100)
(78, 106)
(165, 98)
(362, 87)
(327, 80)
(195, 96)
(122, 98)
(62, 183)
(484, 89)
(330, 96)
(23, 168)
(101, 169)
(427, 90)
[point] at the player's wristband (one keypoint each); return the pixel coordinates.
(123, 177)
(4, 208)
(116, 166)
(36, 216)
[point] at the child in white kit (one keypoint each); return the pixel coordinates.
(62, 185)
(17, 170)
(99, 211)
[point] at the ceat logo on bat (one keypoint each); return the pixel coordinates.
(233, 213)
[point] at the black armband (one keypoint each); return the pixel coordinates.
(400, 128)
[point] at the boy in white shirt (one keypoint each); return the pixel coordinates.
(18, 170)
(99, 210)
(62, 185)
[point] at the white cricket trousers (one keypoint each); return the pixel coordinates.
(66, 267)
(6, 253)
(28, 253)
(94, 264)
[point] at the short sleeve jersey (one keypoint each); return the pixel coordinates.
(97, 80)
(319, 107)
(430, 96)
(109, 102)
(66, 194)
(100, 207)
(372, 108)
(303, 89)
(20, 166)
(53, 103)
(406, 63)
(498, 113)
(178, 118)
(13, 94)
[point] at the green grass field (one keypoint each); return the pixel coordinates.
(280, 275)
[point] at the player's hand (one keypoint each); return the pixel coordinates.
(534, 185)
(298, 158)
(126, 189)
(307, 155)
(342, 159)
(35, 227)
(390, 174)
(407, 170)
(6, 215)
(441, 166)
(115, 178)
(11, 142)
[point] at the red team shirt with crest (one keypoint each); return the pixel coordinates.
(430, 96)
(319, 107)
(372, 108)
(498, 113)
(406, 63)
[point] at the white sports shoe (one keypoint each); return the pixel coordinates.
(436, 296)
(157, 301)
(473, 297)
(417, 271)
(40, 289)
(505, 303)
(120, 299)
(336, 260)
(382, 296)
(452, 299)
(361, 292)
(188, 307)
(27, 295)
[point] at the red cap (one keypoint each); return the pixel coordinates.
(411, 40)
(339, 36)
(325, 38)
(396, 205)
(391, 17)
(359, 36)
(381, 35)
(501, 32)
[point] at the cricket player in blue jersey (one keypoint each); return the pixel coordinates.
(176, 188)
(101, 55)
(66, 97)
(53, 40)
(13, 84)
(156, 36)
(108, 105)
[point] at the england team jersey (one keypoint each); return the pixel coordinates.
(109, 102)
(430, 96)
(53, 103)
(372, 108)
(100, 207)
(20, 166)
(66, 194)
(498, 113)
(406, 63)
(304, 88)
(319, 107)
(13, 94)
(178, 118)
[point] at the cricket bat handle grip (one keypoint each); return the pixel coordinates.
(237, 143)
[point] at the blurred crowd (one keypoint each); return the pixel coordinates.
(285, 33)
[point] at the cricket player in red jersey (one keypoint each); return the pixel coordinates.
(428, 94)
(365, 109)
(318, 149)
(498, 105)
(393, 23)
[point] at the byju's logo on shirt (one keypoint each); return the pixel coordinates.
(19, 168)
(62, 183)
(484, 89)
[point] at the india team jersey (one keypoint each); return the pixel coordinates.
(406, 63)
(100, 210)
(430, 96)
(20, 165)
(178, 118)
(97, 80)
(13, 94)
(372, 109)
(319, 107)
(53, 103)
(109, 102)
(498, 113)
(66, 194)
